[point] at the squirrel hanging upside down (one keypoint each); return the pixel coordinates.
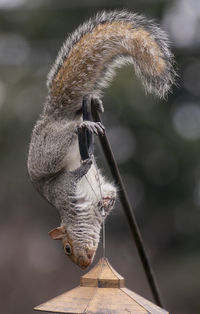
(86, 64)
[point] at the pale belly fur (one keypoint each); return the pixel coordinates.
(88, 186)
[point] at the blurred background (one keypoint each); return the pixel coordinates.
(156, 144)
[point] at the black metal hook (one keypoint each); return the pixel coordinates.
(85, 137)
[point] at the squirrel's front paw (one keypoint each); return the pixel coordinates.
(107, 203)
(93, 127)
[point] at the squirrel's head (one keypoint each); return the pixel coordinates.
(80, 253)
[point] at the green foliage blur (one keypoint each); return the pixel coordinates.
(156, 144)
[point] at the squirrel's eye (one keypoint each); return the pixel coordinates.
(68, 249)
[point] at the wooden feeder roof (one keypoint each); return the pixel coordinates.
(102, 290)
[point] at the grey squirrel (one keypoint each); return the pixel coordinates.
(86, 64)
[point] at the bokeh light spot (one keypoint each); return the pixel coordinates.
(186, 121)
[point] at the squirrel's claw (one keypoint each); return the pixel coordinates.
(100, 127)
(87, 162)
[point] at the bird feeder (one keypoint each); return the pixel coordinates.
(102, 290)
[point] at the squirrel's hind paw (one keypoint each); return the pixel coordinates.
(93, 127)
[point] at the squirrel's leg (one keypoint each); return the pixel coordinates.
(60, 189)
(51, 147)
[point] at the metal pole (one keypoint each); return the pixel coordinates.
(128, 210)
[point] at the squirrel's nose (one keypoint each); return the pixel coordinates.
(86, 260)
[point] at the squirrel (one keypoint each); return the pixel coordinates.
(85, 64)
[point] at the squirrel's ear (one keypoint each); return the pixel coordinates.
(58, 233)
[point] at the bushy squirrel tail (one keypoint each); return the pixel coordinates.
(88, 58)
